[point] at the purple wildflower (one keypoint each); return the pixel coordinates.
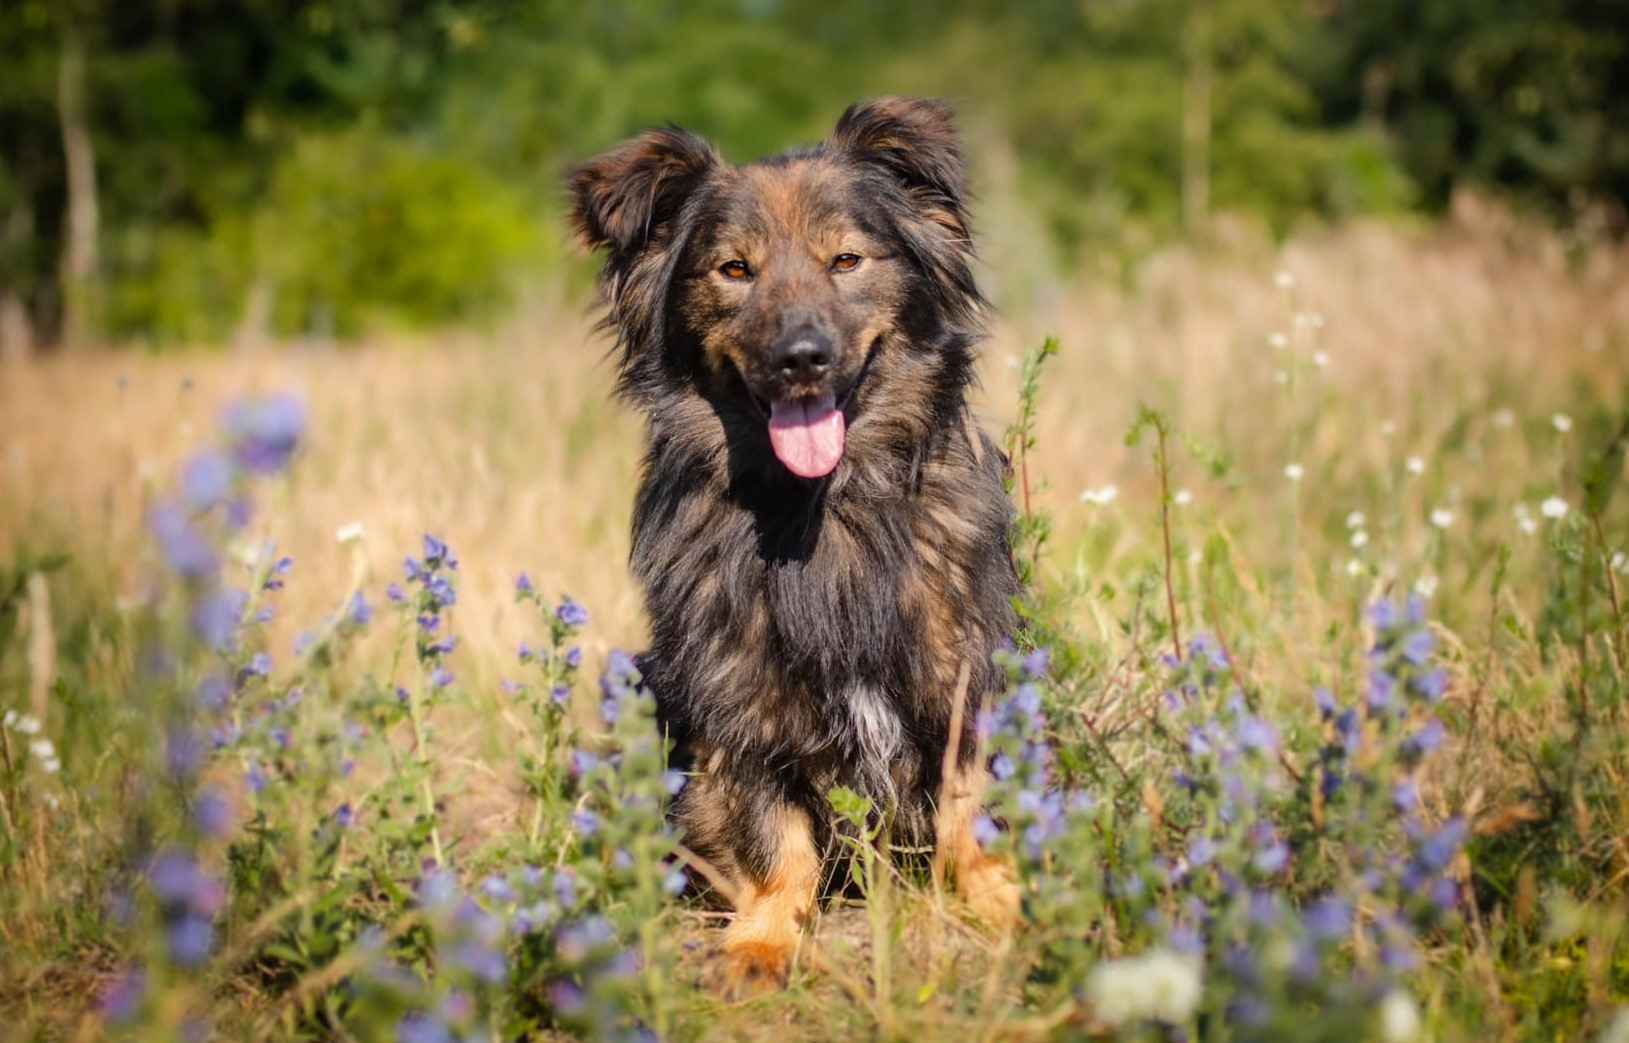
(216, 616)
(438, 554)
(213, 693)
(571, 614)
(190, 940)
(275, 576)
(212, 814)
(185, 549)
(183, 752)
(1418, 646)
(1431, 685)
(985, 830)
(205, 480)
(1328, 919)
(1427, 739)
(124, 996)
(265, 432)
(497, 888)
(419, 1027)
(1382, 688)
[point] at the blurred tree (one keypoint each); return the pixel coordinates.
(322, 166)
(30, 175)
(79, 251)
(1530, 96)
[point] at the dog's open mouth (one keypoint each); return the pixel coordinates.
(807, 435)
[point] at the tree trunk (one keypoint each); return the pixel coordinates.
(79, 262)
(16, 331)
(1196, 116)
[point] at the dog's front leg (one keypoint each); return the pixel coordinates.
(772, 906)
(985, 882)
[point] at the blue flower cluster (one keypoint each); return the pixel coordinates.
(433, 576)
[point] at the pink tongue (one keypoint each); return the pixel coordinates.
(807, 436)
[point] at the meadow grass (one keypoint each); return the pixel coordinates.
(1360, 415)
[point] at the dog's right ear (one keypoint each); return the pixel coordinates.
(623, 198)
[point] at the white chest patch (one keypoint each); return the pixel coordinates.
(878, 732)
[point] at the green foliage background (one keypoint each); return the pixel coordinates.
(324, 167)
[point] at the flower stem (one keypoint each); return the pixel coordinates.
(426, 794)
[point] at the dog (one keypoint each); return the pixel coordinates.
(821, 529)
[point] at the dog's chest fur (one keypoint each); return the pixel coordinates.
(817, 641)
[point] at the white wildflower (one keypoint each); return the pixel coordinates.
(1284, 279)
(1415, 465)
(1100, 497)
(1617, 1030)
(1320, 359)
(1554, 507)
(1159, 985)
(1399, 1018)
(50, 765)
(1426, 586)
(1309, 319)
(43, 749)
(1620, 564)
(349, 533)
(1356, 520)
(1354, 567)
(1524, 519)
(1360, 539)
(1442, 517)
(1278, 340)
(1504, 418)
(1195, 557)
(9, 719)
(1562, 422)
(27, 725)
(1294, 472)
(1182, 498)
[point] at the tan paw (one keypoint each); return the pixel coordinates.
(751, 968)
(990, 889)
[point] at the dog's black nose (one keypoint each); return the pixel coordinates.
(804, 355)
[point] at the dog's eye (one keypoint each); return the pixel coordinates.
(845, 262)
(735, 270)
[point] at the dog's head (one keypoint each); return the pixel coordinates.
(782, 290)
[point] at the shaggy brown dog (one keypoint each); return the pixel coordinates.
(821, 529)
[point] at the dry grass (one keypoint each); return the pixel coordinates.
(509, 446)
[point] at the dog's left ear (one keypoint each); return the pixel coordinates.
(625, 197)
(915, 140)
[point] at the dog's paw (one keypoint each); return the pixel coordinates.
(751, 968)
(990, 888)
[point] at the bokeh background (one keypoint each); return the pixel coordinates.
(213, 171)
(1366, 258)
